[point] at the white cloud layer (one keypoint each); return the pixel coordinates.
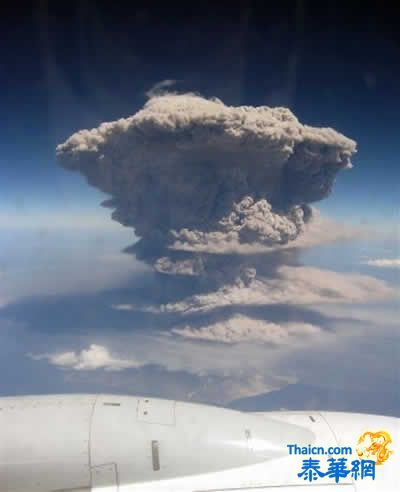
(384, 263)
(240, 329)
(95, 357)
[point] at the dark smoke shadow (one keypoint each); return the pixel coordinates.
(96, 313)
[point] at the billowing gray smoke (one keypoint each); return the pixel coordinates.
(194, 177)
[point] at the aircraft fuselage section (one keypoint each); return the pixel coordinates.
(115, 443)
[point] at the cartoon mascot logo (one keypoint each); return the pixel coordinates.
(374, 446)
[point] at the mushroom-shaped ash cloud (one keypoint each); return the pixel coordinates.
(190, 171)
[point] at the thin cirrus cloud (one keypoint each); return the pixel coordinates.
(160, 88)
(95, 357)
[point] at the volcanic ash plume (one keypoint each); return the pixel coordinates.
(198, 180)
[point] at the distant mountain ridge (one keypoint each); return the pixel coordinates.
(308, 397)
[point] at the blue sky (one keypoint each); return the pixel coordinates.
(62, 269)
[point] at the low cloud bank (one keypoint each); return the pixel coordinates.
(95, 357)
